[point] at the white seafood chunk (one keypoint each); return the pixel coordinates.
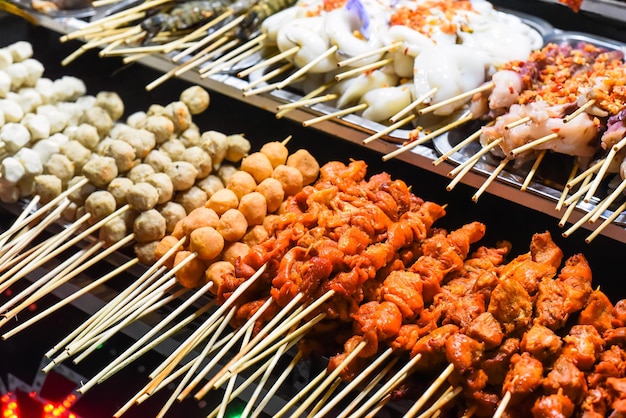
(12, 111)
(28, 98)
(20, 50)
(309, 35)
(57, 119)
(6, 58)
(46, 148)
(18, 72)
(45, 87)
(384, 102)
(413, 43)
(5, 84)
(15, 136)
(508, 86)
(35, 70)
(352, 89)
(452, 69)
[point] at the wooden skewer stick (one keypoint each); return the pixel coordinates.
(215, 35)
(160, 338)
(474, 158)
(195, 34)
(328, 405)
(45, 208)
(389, 129)
(230, 58)
(579, 111)
(231, 382)
(100, 3)
(387, 48)
(428, 137)
(503, 404)
(303, 70)
(430, 391)
(149, 303)
(606, 222)
(28, 209)
(269, 61)
(328, 380)
(70, 298)
(518, 122)
(532, 144)
(249, 90)
(584, 175)
(458, 147)
(533, 170)
(209, 52)
(146, 337)
(563, 195)
(336, 114)
(316, 380)
(258, 347)
(279, 381)
(269, 369)
(307, 102)
(368, 388)
(64, 268)
(413, 104)
(447, 396)
(324, 399)
(577, 224)
(395, 380)
(25, 237)
(462, 96)
(313, 93)
(573, 200)
(490, 179)
(602, 172)
(604, 205)
(360, 70)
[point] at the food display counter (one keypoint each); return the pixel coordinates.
(509, 214)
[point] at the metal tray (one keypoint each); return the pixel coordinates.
(551, 176)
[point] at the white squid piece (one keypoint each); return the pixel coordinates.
(385, 102)
(413, 43)
(452, 69)
(309, 35)
(352, 89)
(302, 9)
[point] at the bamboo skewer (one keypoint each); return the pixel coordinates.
(605, 166)
(579, 111)
(490, 179)
(389, 129)
(29, 208)
(533, 170)
(239, 53)
(156, 329)
(518, 122)
(307, 102)
(195, 34)
(369, 387)
(430, 391)
(360, 70)
(474, 158)
(604, 204)
(573, 200)
(303, 70)
(70, 298)
(428, 137)
(457, 147)
(336, 114)
(606, 222)
(503, 404)
(387, 48)
(206, 54)
(218, 33)
(447, 396)
(313, 93)
(231, 382)
(465, 95)
(269, 61)
(327, 406)
(413, 105)
(248, 89)
(584, 175)
(563, 195)
(328, 380)
(532, 144)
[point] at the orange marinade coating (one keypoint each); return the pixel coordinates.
(428, 16)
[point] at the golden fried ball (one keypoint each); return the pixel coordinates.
(196, 98)
(216, 271)
(199, 218)
(100, 171)
(254, 208)
(145, 252)
(258, 165)
(272, 190)
(223, 200)
(255, 235)
(290, 178)
(163, 185)
(164, 245)
(232, 225)
(242, 183)
(276, 152)
(172, 212)
(306, 164)
(192, 273)
(119, 188)
(100, 204)
(207, 242)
